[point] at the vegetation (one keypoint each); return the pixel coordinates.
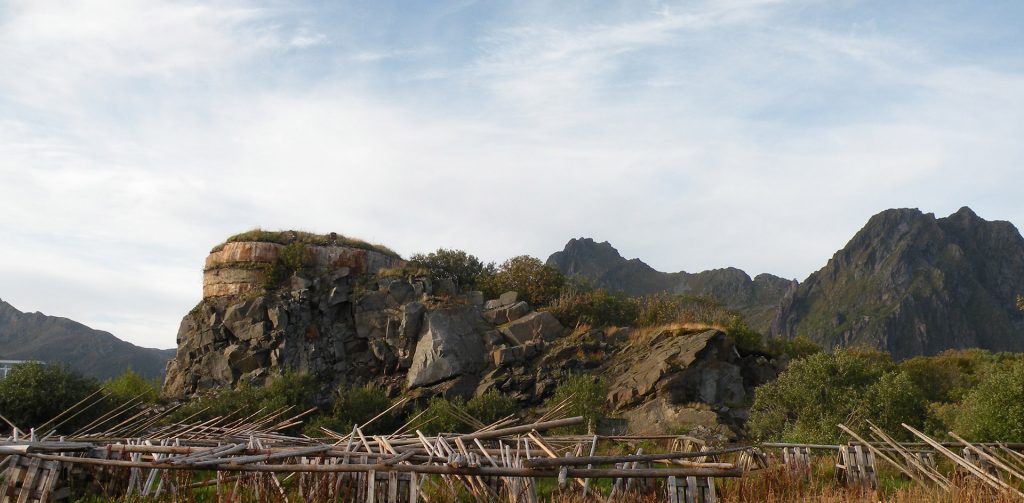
(585, 396)
(492, 406)
(34, 393)
(309, 238)
(994, 410)
(598, 308)
(535, 282)
(288, 390)
(848, 386)
(464, 269)
(358, 405)
(130, 385)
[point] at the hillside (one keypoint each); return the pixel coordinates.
(604, 267)
(36, 336)
(914, 284)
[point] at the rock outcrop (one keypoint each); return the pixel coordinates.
(602, 265)
(352, 323)
(913, 284)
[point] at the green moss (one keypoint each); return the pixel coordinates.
(309, 238)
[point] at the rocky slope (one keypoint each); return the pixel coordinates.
(36, 336)
(604, 267)
(373, 321)
(914, 284)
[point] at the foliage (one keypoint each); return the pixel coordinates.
(492, 406)
(309, 238)
(746, 338)
(441, 416)
(597, 308)
(359, 404)
(586, 396)
(994, 410)
(294, 257)
(465, 269)
(294, 390)
(1020, 302)
(130, 385)
(536, 283)
(793, 347)
(818, 392)
(34, 393)
(948, 376)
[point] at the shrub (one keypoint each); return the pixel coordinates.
(359, 404)
(950, 375)
(290, 389)
(130, 385)
(465, 269)
(492, 406)
(535, 282)
(820, 391)
(663, 308)
(442, 416)
(597, 308)
(586, 397)
(994, 410)
(309, 238)
(795, 347)
(34, 393)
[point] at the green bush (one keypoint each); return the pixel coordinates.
(290, 389)
(441, 416)
(130, 385)
(586, 397)
(34, 393)
(664, 308)
(793, 347)
(465, 269)
(535, 282)
(816, 393)
(359, 404)
(994, 410)
(492, 406)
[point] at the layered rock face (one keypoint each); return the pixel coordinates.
(601, 264)
(913, 284)
(240, 267)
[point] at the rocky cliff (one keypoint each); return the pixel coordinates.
(602, 265)
(914, 284)
(36, 336)
(352, 322)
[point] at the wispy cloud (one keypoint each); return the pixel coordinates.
(755, 134)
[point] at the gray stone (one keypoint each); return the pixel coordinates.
(401, 291)
(338, 295)
(445, 287)
(449, 347)
(492, 304)
(475, 298)
(504, 357)
(508, 298)
(493, 338)
(299, 283)
(535, 326)
(507, 314)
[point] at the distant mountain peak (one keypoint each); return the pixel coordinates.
(912, 284)
(603, 266)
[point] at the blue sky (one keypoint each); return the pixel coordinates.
(134, 135)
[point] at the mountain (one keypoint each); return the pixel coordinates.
(36, 336)
(914, 284)
(601, 264)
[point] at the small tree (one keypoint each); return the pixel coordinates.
(994, 410)
(130, 385)
(536, 283)
(359, 404)
(586, 396)
(465, 269)
(34, 393)
(491, 406)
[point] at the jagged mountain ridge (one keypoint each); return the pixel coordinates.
(914, 284)
(601, 264)
(36, 336)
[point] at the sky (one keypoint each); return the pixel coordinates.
(759, 134)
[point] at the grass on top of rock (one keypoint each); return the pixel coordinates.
(309, 238)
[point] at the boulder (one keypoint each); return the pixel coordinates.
(475, 298)
(504, 357)
(535, 326)
(507, 314)
(450, 346)
(505, 299)
(685, 367)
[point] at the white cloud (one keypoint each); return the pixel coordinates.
(723, 134)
